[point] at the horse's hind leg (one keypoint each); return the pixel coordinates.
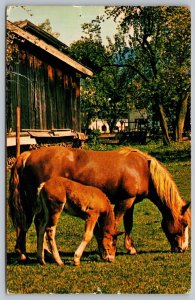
(128, 224)
(20, 246)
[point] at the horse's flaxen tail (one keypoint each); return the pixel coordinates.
(16, 209)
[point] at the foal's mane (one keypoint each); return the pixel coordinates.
(163, 182)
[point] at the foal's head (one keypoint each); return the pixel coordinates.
(176, 230)
(108, 249)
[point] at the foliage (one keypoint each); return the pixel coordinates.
(104, 96)
(160, 39)
(148, 64)
(46, 26)
(155, 270)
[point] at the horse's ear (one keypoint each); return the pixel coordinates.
(184, 208)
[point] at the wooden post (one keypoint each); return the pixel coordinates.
(129, 120)
(17, 131)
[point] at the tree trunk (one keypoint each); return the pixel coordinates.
(163, 121)
(181, 115)
(111, 123)
(164, 127)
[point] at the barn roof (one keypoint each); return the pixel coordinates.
(42, 34)
(46, 42)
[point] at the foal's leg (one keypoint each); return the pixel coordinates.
(55, 210)
(89, 227)
(41, 221)
(124, 210)
(97, 234)
(40, 225)
(40, 248)
(51, 231)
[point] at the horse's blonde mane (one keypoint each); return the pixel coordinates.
(166, 187)
(163, 181)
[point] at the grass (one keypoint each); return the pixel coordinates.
(155, 270)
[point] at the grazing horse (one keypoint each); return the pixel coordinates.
(126, 176)
(89, 203)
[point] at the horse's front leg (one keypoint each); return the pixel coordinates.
(89, 227)
(124, 210)
(128, 224)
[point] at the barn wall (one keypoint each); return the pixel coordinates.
(47, 91)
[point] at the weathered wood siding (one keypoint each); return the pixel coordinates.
(47, 91)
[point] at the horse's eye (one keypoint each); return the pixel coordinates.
(177, 235)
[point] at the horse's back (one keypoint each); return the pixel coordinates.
(119, 173)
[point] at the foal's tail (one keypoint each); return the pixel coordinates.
(15, 204)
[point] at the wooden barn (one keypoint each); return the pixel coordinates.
(42, 80)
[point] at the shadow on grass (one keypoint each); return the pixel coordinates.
(172, 156)
(144, 252)
(13, 259)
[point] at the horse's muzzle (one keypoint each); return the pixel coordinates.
(178, 249)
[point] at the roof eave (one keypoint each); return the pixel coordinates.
(49, 49)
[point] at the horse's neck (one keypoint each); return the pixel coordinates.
(166, 211)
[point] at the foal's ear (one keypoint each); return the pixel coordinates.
(184, 208)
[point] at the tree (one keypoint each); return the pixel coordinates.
(160, 40)
(46, 26)
(104, 96)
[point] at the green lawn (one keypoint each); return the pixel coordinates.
(154, 270)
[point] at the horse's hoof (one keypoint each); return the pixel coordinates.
(132, 251)
(22, 257)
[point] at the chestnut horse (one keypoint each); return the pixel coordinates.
(89, 203)
(126, 176)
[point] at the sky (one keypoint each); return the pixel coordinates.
(66, 20)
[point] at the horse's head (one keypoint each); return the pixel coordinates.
(176, 230)
(108, 249)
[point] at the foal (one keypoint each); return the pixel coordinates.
(89, 203)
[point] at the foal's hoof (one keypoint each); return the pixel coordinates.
(41, 261)
(76, 263)
(60, 263)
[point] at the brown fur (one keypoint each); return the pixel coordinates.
(61, 194)
(126, 176)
